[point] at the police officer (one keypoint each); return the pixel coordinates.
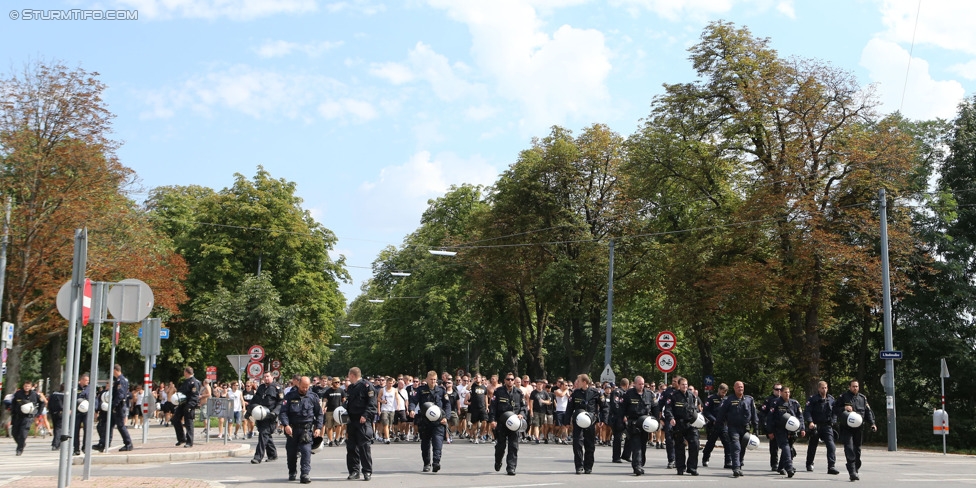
(82, 417)
(616, 421)
(819, 416)
(361, 406)
(506, 399)
(24, 405)
(301, 419)
(680, 411)
(270, 396)
(584, 398)
(636, 403)
(668, 434)
(120, 407)
(776, 427)
(716, 429)
(853, 401)
(763, 412)
(185, 412)
(55, 406)
(431, 432)
(738, 414)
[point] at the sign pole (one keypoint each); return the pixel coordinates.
(111, 377)
(98, 298)
(80, 264)
(945, 428)
(886, 294)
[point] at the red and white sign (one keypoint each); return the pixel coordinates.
(86, 302)
(276, 364)
(211, 373)
(666, 362)
(275, 373)
(666, 340)
(255, 369)
(256, 352)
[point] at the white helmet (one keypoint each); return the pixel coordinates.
(83, 406)
(511, 421)
(27, 408)
(260, 412)
(792, 424)
(853, 420)
(699, 422)
(433, 413)
(752, 442)
(649, 424)
(177, 398)
(105, 399)
(340, 415)
(584, 419)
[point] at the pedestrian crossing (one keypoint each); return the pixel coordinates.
(37, 456)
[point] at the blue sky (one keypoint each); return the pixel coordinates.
(373, 108)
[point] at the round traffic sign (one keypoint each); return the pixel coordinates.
(256, 352)
(276, 364)
(275, 373)
(666, 340)
(666, 362)
(130, 301)
(63, 301)
(255, 369)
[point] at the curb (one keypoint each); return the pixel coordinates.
(241, 450)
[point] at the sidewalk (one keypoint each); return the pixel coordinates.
(164, 451)
(109, 482)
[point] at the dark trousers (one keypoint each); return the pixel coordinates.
(851, 439)
(584, 443)
(295, 447)
(266, 445)
(825, 434)
(431, 436)
(784, 442)
(20, 429)
(503, 438)
(182, 420)
(56, 419)
(685, 435)
(118, 421)
(716, 432)
(737, 451)
(359, 456)
(669, 441)
(621, 450)
(80, 430)
(773, 455)
(637, 444)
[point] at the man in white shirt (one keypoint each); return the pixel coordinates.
(237, 399)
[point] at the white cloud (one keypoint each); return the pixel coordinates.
(213, 9)
(966, 70)
(480, 112)
(423, 63)
(946, 24)
(399, 194)
(260, 94)
(786, 8)
(280, 48)
(925, 97)
(554, 77)
(365, 7)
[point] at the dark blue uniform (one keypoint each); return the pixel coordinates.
(738, 415)
(683, 409)
(633, 406)
(360, 404)
(505, 400)
(431, 433)
(584, 440)
(303, 413)
(55, 407)
(616, 421)
(767, 407)
(20, 422)
(185, 412)
(716, 430)
(120, 411)
(819, 411)
(82, 418)
(668, 432)
(851, 438)
(783, 438)
(268, 395)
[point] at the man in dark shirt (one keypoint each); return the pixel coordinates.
(55, 407)
(361, 406)
(24, 406)
(301, 420)
(680, 411)
(716, 429)
(819, 417)
(853, 401)
(506, 398)
(334, 397)
(783, 408)
(431, 431)
(477, 409)
(539, 403)
(270, 396)
(185, 412)
(584, 399)
(767, 407)
(738, 414)
(636, 403)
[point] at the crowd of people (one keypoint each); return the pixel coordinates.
(323, 411)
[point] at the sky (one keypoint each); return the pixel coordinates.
(373, 108)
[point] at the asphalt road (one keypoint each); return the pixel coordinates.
(470, 466)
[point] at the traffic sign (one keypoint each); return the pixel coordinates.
(130, 300)
(709, 382)
(666, 340)
(275, 373)
(256, 352)
(891, 354)
(163, 333)
(666, 362)
(276, 364)
(8, 332)
(86, 302)
(211, 373)
(255, 370)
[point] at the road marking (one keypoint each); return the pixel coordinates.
(521, 486)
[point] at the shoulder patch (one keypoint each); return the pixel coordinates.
(371, 392)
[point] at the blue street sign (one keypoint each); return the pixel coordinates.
(891, 354)
(163, 333)
(709, 380)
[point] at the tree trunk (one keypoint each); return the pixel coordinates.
(51, 367)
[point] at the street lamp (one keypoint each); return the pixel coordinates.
(376, 300)
(355, 325)
(344, 337)
(440, 252)
(399, 273)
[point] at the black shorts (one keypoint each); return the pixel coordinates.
(478, 415)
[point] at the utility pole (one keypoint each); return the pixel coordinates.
(888, 341)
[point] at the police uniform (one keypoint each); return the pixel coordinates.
(431, 433)
(767, 408)
(120, 411)
(851, 437)
(668, 430)
(738, 415)
(360, 404)
(303, 413)
(81, 418)
(633, 407)
(20, 422)
(55, 407)
(716, 430)
(683, 409)
(268, 395)
(503, 401)
(819, 411)
(584, 439)
(617, 425)
(185, 413)
(776, 423)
